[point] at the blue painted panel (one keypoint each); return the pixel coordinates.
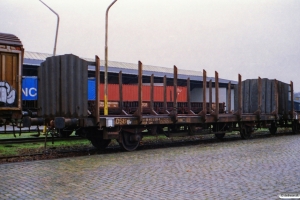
(91, 89)
(29, 88)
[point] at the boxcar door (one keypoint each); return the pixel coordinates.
(9, 80)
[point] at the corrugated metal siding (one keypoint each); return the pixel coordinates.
(62, 83)
(10, 39)
(250, 96)
(283, 98)
(35, 58)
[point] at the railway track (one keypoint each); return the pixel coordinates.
(153, 144)
(38, 139)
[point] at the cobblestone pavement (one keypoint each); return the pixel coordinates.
(252, 169)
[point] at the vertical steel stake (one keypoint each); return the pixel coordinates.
(121, 106)
(204, 110)
(165, 96)
(217, 95)
(139, 111)
(292, 101)
(97, 92)
(210, 97)
(229, 98)
(175, 106)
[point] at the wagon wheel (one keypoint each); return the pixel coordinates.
(129, 141)
(219, 136)
(99, 142)
(64, 133)
(246, 132)
(96, 138)
(273, 128)
(192, 129)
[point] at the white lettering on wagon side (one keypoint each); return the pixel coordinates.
(123, 121)
(156, 121)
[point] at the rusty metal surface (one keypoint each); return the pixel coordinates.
(204, 91)
(238, 97)
(188, 85)
(210, 97)
(97, 84)
(10, 81)
(175, 90)
(121, 90)
(174, 111)
(216, 111)
(139, 110)
(60, 75)
(203, 112)
(151, 91)
(229, 98)
(185, 119)
(11, 59)
(62, 83)
(165, 94)
(130, 107)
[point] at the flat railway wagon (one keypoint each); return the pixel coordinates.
(63, 103)
(11, 59)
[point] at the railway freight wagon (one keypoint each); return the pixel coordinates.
(130, 96)
(63, 103)
(11, 59)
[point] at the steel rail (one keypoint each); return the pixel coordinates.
(39, 139)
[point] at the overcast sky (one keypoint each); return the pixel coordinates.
(250, 37)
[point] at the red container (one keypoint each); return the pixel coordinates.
(130, 93)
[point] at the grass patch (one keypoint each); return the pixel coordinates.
(14, 149)
(11, 135)
(38, 147)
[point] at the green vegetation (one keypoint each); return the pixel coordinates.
(36, 147)
(11, 135)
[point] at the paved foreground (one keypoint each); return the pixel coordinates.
(253, 169)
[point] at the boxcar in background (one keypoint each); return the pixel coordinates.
(296, 105)
(130, 92)
(11, 59)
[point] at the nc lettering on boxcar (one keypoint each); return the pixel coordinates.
(29, 88)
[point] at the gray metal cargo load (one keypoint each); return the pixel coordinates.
(270, 91)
